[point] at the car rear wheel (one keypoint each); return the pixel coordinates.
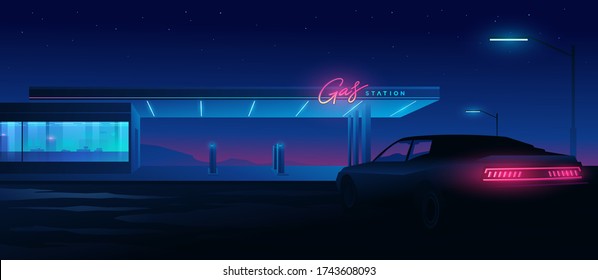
(431, 210)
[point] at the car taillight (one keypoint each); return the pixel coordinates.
(531, 173)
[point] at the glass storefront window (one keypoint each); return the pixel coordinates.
(10, 141)
(76, 141)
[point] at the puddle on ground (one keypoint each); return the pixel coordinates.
(83, 208)
(7, 194)
(84, 231)
(243, 215)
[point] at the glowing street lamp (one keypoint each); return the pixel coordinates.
(482, 111)
(508, 39)
(573, 130)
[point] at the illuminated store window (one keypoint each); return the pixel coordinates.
(76, 141)
(10, 141)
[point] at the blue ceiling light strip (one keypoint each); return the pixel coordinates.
(403, 108)
(302, 108)
(251, 109)
(200, 108)
(150, 108)
(352, 108)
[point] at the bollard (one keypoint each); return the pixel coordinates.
(274, 157)
(280, 160)
(212, 170)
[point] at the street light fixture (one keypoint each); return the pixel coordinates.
(482, 111)
(508, 39)
(573, 130)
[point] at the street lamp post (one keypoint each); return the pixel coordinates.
(482, 111)
(573, 130)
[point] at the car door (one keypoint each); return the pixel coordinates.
(382, 175)
(418, 162)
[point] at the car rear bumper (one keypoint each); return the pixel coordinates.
(534, 204)
(500, 190)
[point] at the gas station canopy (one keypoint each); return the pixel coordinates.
(253, 102)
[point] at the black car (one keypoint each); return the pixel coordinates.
(433, 172)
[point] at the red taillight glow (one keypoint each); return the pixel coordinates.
(531, 174)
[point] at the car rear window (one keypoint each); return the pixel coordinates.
(420, 148)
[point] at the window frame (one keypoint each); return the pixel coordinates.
(410, 141)
(412, 147)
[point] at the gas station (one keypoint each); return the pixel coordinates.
(104, 109)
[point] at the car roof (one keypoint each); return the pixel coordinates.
(456, 137)
(454, 144)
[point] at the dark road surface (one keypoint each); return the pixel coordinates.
(188, 220)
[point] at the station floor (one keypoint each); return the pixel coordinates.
(193, 173)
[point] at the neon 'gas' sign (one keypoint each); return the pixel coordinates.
(326, 95)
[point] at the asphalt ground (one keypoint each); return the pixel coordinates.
(266, 220)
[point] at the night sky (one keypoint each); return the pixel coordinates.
(183, 45)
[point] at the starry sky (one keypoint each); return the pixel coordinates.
(224, 43)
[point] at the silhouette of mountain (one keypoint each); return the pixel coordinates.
(159, 156)
(152, 155)
(237, 162)
(296, 163)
